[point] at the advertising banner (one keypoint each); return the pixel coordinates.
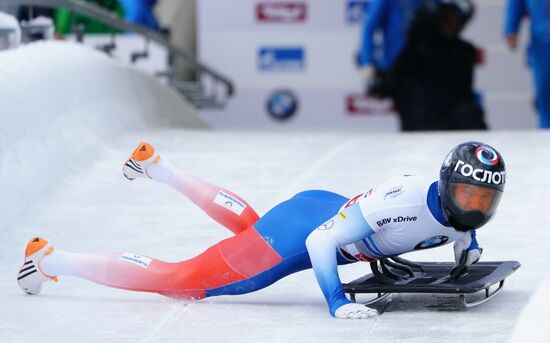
(292, 62)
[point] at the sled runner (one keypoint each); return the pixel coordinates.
(397, 275)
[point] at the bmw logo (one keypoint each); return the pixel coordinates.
(431, 242)
(282, 104)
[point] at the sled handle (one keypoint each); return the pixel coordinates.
(488, 296)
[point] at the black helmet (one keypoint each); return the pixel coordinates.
(453, 15)
(465, 8)
(471, 182)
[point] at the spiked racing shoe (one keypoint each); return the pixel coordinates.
(141, 158)
(31, 277)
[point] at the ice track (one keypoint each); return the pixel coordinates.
(95, 209)
(91, 207)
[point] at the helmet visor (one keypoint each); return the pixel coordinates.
(472, 198)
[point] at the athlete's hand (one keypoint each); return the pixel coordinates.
(473, 256)
(467, 252)
(354, 311)
(461, 247)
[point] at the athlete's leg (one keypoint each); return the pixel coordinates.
(249, 261)
(222, 205)
(234, 259)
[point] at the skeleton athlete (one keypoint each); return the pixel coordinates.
(314, 229)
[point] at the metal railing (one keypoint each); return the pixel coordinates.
(99, 14)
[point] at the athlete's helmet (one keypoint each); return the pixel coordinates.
(471, 182)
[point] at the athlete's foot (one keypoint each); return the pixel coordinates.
(30, 276)
(137, 164)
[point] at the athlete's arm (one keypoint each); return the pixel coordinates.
(346, 227)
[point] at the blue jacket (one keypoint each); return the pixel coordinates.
(538, 10)
(392, 18)
(140, 12)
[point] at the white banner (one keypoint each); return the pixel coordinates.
(293, 64)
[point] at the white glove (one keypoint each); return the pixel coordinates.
(354, 311)
(463, 243)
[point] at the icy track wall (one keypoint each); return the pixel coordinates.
(59, 100)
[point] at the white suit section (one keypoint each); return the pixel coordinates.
(389, 220)
(398, 213)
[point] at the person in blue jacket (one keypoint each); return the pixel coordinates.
(539, 47)
(390, 18)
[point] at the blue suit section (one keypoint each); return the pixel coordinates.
(474, 245)
(392, 18)
(286, 227)
(434, 204)
(539, 48)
